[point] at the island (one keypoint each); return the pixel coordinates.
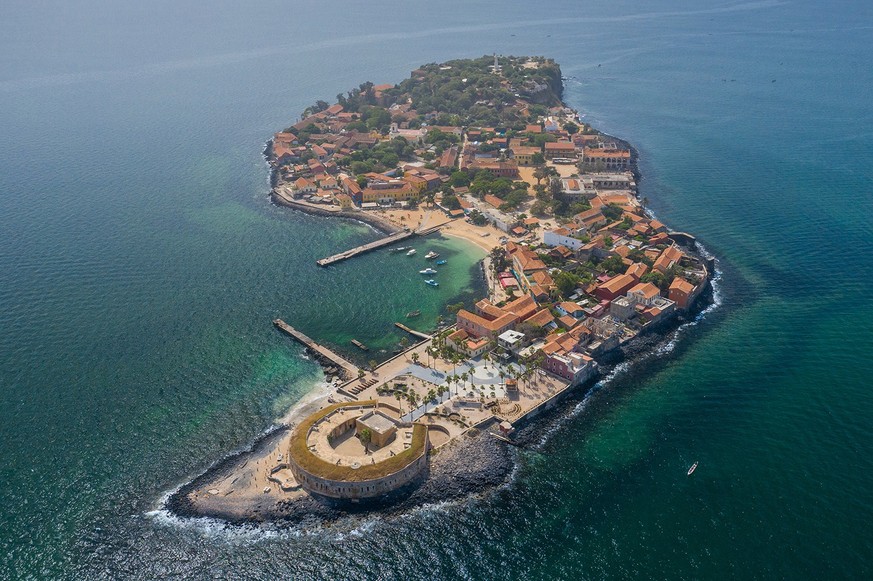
(580, 276)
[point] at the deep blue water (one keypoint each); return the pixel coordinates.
(141, 264)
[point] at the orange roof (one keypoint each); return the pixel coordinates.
(542, 278)
(541, 318)
(637, 269)
(617, 283)
(646, 289)
(494, 325)
(560, 146)
(493, 200)
(669, 258)
(522, 307)
(595, 152)
(681, 285)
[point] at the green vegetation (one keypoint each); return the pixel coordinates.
(467, 92)
(384, 156)
(303, 456)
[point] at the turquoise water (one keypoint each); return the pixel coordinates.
(141, 264)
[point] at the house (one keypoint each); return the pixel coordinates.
(669, 258)
(512, 341)
(523, 155)
(680, 291)
(574, 367)
(463, 342)
(576, 189)
(607, 158)
(561, 237)
(344, 201)
(555, 149)
(487, 326)
(615, 287)
(637, 270)
(542, 318)
(644, 293)
(572, 309)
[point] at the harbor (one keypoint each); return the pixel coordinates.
(346, 369)
(364, 248)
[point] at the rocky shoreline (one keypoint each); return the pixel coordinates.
(374, 220)
(474, 464)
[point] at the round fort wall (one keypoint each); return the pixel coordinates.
(320, 477)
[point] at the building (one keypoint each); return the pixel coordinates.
(607, 158)
(669, 258)
(382, 427)
(489, 327)
(512, 341)
(556, 149)
(680, 292)
(644, 293)
(523, 155)
(574, 367)
(576, 189)
(614, 287)
(463, 342)
(561, 237)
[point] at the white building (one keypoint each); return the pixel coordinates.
(561, 237)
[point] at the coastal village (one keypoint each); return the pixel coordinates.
(485, 150)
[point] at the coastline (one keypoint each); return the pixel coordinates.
(471, 462)
(472, 465)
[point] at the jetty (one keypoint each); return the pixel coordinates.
(364, 248)
(360, 345)
(324, 355)
(418, 334)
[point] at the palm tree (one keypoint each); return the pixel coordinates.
(465, 376)
(366, 437)
(399, 396)
(415, 357)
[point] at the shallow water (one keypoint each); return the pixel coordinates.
(141, 264)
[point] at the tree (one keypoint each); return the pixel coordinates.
(464, 377)
(366, 436)
(372, 363)
(538, 158)
(415, 357)
(360, 374)
(399, 397)
(571, 128)
(565, 282)
(612, 211)
(614, 264)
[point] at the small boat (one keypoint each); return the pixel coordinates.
(441, 262)
(411, 314)
(360, 345)
(693, 468)
(427, 271)
(398, 249)
(431, 254)
(432, 282)
(411, 252)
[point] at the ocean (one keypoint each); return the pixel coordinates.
(141, 265)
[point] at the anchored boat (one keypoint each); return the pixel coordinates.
(431, 254)
(427, 271)
(411, 252)
(432, 282)
(693, 468)
(411, 314)
(398, 249)
(441, 262)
